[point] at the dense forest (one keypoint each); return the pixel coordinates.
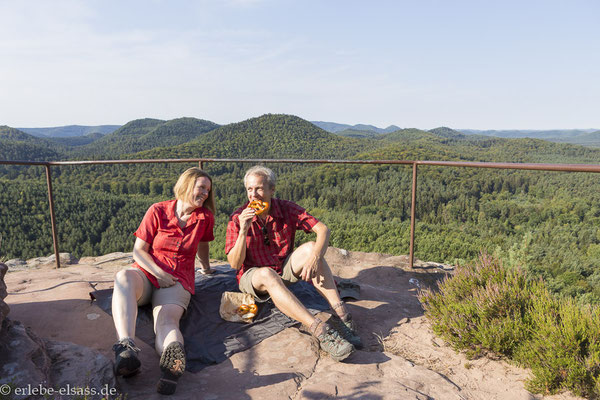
(546, 222)
(584, 137)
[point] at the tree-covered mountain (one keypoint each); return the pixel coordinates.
(447, 132)
(591, 139)
(8, 133)
(334, 127)
(408, 134)
(17, 145)
(363, 127)
(144, 134)
(70, 130)
(269, 136)
(584, 137)
(133, 137)
(529, 133)
(74, 141)
(353, 133)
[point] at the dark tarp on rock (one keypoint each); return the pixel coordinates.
(208, 338)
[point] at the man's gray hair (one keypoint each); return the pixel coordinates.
(265, 172)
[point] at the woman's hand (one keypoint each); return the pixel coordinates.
(142, 256)
(166, 280)
(202, 256)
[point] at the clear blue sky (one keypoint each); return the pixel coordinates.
(463, 64)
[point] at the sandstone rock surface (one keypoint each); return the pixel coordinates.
(41, 262)
(402, 359)
(23, 359)
(28, 361)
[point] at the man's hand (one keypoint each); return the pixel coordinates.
(237, 254)
(166, 280)
(311, 268)
(245, 218)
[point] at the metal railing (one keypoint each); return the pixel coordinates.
(202, 161)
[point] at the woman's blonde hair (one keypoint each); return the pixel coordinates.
(184, 187)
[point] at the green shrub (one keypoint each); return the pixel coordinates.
(486, 308)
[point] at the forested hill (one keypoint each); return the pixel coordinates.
(268, 136)
(70, 131)
(74, 141)
(144, 134)
(584, 137)
(17, 145)
(8, 133)
(533, 134)
(334, 127)
(400, 134)
(591, 139)
(448, 133)
(448, 144)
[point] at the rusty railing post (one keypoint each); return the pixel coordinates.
(201, 164)
(413, 207)
(52, 220)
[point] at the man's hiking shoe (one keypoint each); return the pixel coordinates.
(347, 330)
(335, 345)
(127, 362)
(172, 366)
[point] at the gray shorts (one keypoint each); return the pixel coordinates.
(287, 276)
(175, 294)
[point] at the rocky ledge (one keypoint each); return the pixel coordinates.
(29, 363)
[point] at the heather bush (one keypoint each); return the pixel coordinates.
(486, 308)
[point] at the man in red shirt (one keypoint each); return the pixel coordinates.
(261, 248)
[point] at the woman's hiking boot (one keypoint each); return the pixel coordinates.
(127, 362)
(172, 366)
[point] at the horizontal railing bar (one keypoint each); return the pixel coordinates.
(18, 162)
(470, 164)
(196, 160)
(524, 166)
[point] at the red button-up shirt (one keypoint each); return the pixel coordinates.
(282, 222)
(174, 248)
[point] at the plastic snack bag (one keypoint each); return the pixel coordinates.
(237, 307)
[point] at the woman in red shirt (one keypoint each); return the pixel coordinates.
(168, 240)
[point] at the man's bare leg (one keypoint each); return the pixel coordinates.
(266, 280)
(325, 285)
(323, 281)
